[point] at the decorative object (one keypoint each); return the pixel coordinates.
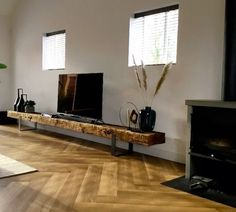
(128, 115)
(21, 103)
(10, 167)
(20, 107)
(147, 116)
(17, 98)
(29, 106)
(147, 119)
(133, 117)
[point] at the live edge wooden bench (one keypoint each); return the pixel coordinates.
(103, 130)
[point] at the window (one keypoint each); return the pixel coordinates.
(54, 50)
(153, 36)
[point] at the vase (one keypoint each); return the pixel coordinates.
(17, 98)
(20, 107)
(147, 119)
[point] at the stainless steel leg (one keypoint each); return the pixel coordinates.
(20, 126)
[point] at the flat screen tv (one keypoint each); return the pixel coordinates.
(80, 94)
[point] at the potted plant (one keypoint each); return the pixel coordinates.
(147, 116)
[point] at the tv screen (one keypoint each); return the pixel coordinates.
(80, 94)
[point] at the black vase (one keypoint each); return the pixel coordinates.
(20, 107)
(17, 98)
(147, 119)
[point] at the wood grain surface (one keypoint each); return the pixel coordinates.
(77, 175)
(102, 130)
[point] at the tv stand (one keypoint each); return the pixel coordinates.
(112, 132)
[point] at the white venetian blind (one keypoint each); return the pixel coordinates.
(54, 50)
(153, 36)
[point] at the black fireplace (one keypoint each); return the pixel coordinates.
(212, 147)
(210, 152)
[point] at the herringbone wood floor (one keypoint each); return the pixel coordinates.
(77, 175)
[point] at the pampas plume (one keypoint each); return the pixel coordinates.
(165, 71)
(142, 81)
(144, 76)
(136, 73)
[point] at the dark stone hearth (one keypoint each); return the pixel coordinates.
(182, 184)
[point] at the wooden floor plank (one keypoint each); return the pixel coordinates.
(125, 177)
(139, 171)
(21, 203)
(90, 184)
(8, 195)
(70, 190)
(108, 183)
(47, 196)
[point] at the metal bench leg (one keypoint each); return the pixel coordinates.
(20, 126)
(113, 144)
(131, 147)
(115, 151)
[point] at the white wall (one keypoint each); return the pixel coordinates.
(5, 74)
(97, 41)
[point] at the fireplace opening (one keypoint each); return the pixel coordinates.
(213, 132)
(222, 148)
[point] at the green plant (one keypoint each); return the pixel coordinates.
(3, 66)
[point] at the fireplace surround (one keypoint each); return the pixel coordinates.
(211, 143)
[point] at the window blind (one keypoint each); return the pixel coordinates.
(153, 36)
(54, 50)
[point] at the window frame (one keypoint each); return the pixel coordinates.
(48, 34)
(153, 12)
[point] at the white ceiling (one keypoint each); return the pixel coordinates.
(7, 6)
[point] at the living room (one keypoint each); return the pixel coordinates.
(97, 41)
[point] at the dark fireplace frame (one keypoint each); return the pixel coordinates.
(210, 122)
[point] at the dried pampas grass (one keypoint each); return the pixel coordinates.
(165, 71)
(142, 81)
(144, 76)
(136, 73)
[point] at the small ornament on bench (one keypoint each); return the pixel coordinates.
(29, 106)
(128, 116)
